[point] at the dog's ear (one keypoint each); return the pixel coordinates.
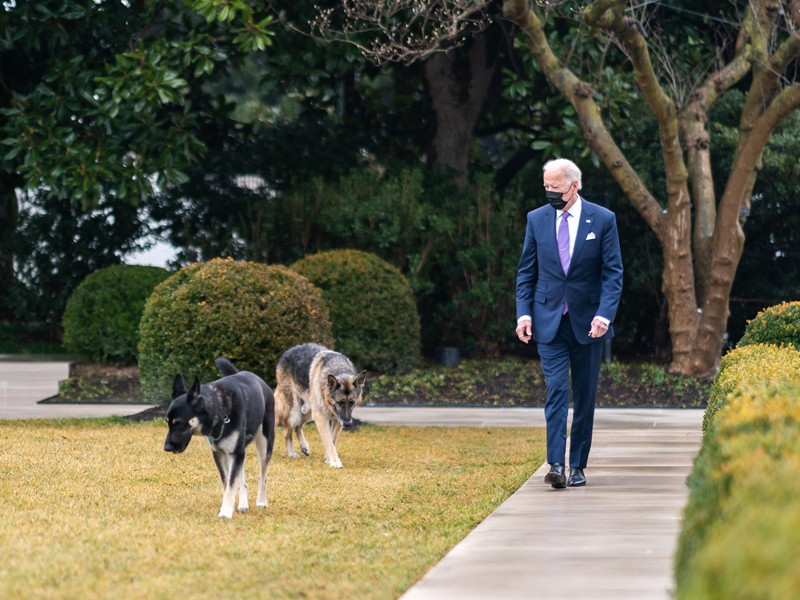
(359, 381)
(178, 386)
(194, 395)
(333, 383)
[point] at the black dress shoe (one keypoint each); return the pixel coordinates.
(556, 476)
(576, 478)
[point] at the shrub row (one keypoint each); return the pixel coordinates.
(740, 530)
(739, 536)
(249, 312)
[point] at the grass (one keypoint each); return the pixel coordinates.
(96, 509)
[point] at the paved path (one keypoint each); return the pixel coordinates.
(613, 538)
(24, 383)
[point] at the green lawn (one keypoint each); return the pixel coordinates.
(96, 509)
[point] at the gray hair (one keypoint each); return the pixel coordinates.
(569, 168)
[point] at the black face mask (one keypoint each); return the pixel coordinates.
(555, 199)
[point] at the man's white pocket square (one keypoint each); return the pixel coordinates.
(590, 236)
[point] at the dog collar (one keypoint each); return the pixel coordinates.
(211, 439)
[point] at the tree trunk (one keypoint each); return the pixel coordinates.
(458, 81)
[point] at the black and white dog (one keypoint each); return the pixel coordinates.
(231, 412)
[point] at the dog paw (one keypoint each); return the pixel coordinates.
(225, 514)
(262, 504)
(306, 451)
(293, 455)
(243, 509)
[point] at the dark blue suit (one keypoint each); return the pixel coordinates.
(591, 288)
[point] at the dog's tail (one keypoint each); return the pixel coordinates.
(269, 420)
(225, 367)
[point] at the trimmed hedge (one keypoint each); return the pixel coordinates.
(779, 325)
(250, 313)
(749, 364)
(751, 552)
(372, 308)
(101, 320)
(739, 535)
(744, 490)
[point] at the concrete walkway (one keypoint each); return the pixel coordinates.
(613, 538)
(24, 383)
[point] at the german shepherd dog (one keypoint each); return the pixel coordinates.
(319, 384)
(231, 412)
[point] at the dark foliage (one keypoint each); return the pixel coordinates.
(58, 244)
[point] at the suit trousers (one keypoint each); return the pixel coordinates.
(563, 356)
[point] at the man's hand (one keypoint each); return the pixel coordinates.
(598, 328)
(525, 331)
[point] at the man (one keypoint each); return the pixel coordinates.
(569, 283)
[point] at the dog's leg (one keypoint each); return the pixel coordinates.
(302, 416)
(230, 462)
(263, 464)
(324, 428)
(287, 436)
(336, 429)
(301, 438)
(233, 485)
(224, 462)
(284, 413)
(244, 504)
(223, 466)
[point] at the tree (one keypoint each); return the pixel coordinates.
(103, 102)
(700, 230)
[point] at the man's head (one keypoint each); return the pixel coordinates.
(562, 176)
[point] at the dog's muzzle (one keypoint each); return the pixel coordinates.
(170, 446)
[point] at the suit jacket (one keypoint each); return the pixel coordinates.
(593, 285)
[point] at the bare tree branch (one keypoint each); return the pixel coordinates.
(402, 31)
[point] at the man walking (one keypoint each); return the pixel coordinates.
(569, 283)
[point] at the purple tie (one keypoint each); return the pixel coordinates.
(563, 248)
(563, 242)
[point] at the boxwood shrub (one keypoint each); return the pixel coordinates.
(749, 364)
(372, 308)
(779, 325)
(744, 487)
(753, 552)
(101, 319)
(248, 312)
